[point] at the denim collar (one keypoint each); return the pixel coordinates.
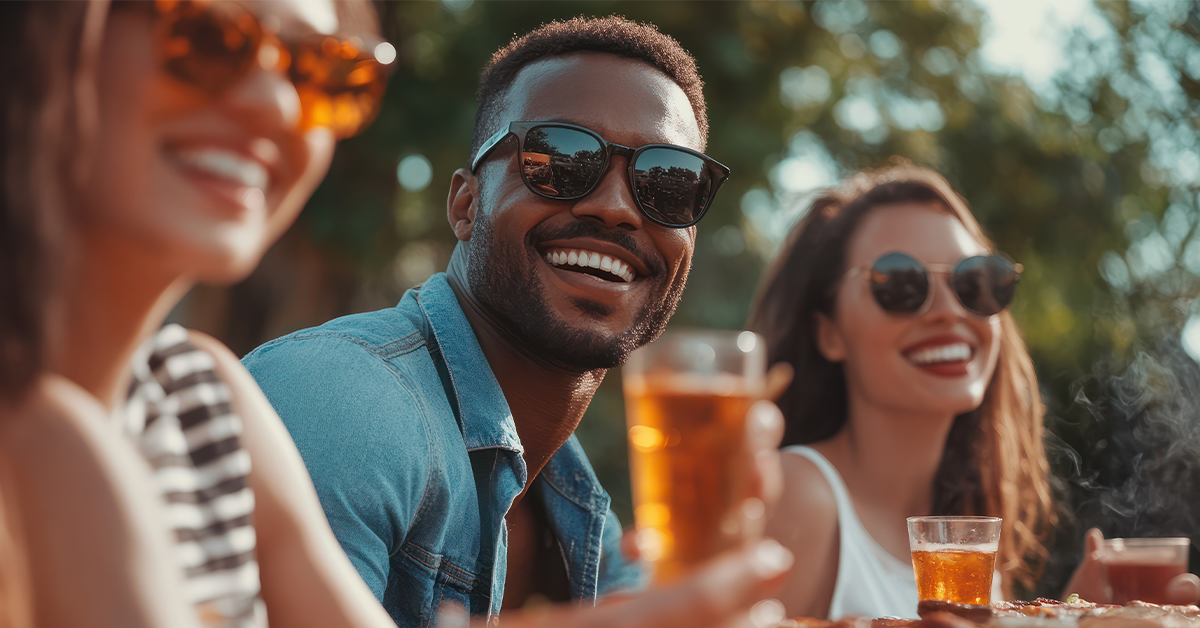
(487, 421)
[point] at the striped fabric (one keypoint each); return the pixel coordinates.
(179, 415)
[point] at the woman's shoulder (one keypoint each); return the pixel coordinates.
(87, 511)
(806, 522)
(807, 508)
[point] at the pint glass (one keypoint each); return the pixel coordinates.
(1139, 569)
(954, 557)
(686, 398)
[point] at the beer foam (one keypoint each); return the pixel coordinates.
(720, 384)
(956, 547)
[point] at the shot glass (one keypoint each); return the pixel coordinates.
(954, 557)
(686, 399)
(1139, 569)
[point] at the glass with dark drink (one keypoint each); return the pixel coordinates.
(686, 398)
(1139, 569)
(954, 557)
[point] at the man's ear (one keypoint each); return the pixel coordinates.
(462, 203)
(829, 339)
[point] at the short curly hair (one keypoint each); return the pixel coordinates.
(613, 34)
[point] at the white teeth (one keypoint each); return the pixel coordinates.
(958, 352)
(590, 259)
(226, 164)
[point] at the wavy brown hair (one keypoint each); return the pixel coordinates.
(994, 462)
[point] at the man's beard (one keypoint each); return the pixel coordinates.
(504, 278)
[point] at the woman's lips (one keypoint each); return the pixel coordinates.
(237, 181)
(945, 359)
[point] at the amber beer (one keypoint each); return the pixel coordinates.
(954, 575)
(1140, 569)
(686, 415)
(954, 557)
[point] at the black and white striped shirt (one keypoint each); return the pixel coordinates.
(179, 415)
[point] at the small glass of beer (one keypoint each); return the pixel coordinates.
(1139, 569)
(954, 557)
(686, 399)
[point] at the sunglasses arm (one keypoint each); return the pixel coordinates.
(489, 146)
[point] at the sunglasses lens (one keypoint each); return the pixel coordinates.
(673, 186)
(561, 163)
(985, 284)
(340, 84)
(899, 283)
(209, 46)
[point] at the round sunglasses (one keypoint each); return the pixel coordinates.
(211, 45)
(983, 284)
(672, 185)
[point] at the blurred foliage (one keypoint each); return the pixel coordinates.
(1090, 183)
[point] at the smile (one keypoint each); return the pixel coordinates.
(224, 164)
(943, 354)
(591, 263)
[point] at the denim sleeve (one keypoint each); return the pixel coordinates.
(617, 575)
(358, 427)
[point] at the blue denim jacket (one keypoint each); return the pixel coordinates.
(416, 460)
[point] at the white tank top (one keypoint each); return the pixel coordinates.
(870, 581)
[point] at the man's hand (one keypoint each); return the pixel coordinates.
(1088, 579)
(727, 592)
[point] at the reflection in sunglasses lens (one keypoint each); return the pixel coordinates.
(899, 283)
(562, 163)
(985, 284)
(671, 184)
(209, 47)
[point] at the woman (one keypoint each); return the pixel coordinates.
(914, 393)
(147, 147)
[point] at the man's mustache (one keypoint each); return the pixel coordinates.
(579, 229)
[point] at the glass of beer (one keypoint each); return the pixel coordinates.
(686, 399)
(1139, 569)
(954, 557)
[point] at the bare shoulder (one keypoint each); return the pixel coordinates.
(806, 522)
(88, 512)
(807, 506)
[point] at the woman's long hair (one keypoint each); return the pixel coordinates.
(994, 462)
(47, 120)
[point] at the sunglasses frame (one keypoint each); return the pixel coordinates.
(938, 269)
(170, 12)
(718, 171)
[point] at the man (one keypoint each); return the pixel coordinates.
(439, 432)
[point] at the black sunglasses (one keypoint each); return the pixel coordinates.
(984, 284)
(672, 185)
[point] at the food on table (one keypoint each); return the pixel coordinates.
(1039, 613)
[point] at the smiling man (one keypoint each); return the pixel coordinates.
(439, 432)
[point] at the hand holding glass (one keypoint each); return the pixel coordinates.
(686, 399)
(1141, 569)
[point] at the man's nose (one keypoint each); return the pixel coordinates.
(612, 201)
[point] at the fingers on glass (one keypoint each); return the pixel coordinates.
(211, 45)
(983, 284)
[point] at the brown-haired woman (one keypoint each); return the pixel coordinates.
(914, 393)
(145, 147)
